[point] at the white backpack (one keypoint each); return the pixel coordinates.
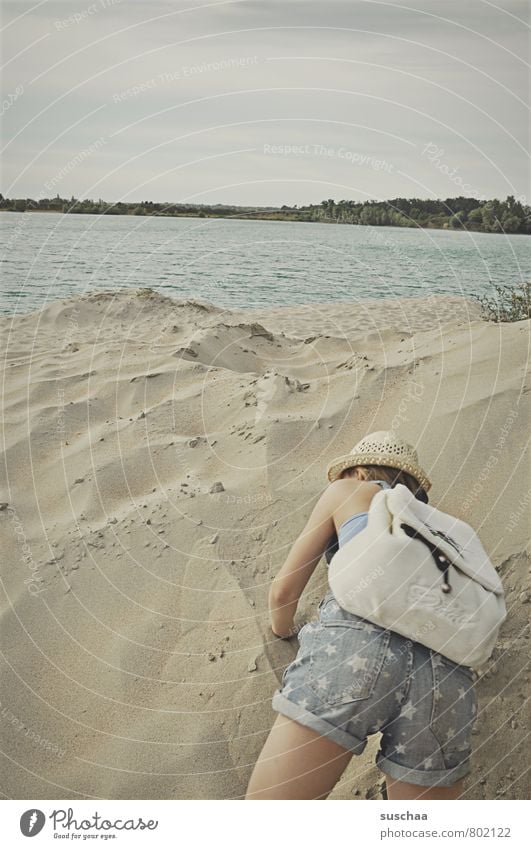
(424, 574)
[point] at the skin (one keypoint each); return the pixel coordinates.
(341, 499)
(297, 762)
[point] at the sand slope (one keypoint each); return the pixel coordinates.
(137, 660)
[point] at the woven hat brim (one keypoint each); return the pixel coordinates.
(348, 460)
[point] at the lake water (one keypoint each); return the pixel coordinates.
(238, 263)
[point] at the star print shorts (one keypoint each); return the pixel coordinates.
(351, 679)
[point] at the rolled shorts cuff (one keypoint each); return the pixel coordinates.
(423, 777)
(294, 711)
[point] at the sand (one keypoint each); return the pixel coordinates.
(160, 458)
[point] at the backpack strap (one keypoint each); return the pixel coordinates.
(441, 561)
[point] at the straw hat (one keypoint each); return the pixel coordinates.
(382, 448)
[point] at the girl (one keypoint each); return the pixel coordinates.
(351, 678)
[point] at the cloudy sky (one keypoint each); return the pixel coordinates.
(265, 101)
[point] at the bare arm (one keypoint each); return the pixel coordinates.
(300, 563)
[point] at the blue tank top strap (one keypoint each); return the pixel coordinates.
(385, 484)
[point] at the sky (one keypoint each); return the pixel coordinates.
(265, 102)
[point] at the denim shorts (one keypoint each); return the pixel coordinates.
(351, 679)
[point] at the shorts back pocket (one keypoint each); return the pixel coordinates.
(346, 659)
(454, 708)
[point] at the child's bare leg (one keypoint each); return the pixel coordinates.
(296, 763)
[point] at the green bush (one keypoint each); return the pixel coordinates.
(512, 302)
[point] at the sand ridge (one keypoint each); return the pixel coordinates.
(160, 457)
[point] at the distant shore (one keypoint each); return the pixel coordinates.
(456, 214)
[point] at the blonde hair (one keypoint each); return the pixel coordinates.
(387, 473)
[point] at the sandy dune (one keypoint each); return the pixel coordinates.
(137, 660)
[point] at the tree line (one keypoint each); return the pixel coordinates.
(461, 213)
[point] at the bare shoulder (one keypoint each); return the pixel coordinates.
(347, 496)
(350, 485)
(344, 487)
